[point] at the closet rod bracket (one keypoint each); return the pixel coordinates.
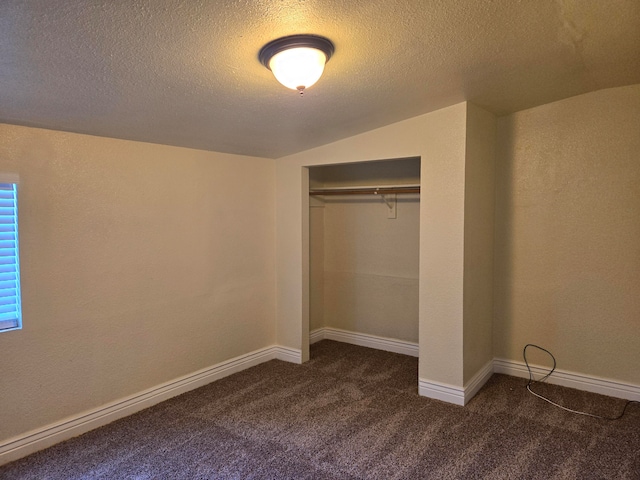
(390, 200)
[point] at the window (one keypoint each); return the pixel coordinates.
(10, 306)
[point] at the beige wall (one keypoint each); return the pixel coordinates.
(140, 263)
(439, 139)
(567, 249)
(371, 266)
(316, 264)
(369, 282)
(479, 211)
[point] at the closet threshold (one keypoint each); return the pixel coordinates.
(382, 190)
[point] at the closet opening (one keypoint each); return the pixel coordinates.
(364, 239)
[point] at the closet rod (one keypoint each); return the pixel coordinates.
(366, 190)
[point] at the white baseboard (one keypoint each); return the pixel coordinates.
(460, 396)
(477, 381)
(316, 335)
(364, 340)
(441, 391)
(426, 388)
(287, 354)
(564, 378)
(41, 438)
(453, 394)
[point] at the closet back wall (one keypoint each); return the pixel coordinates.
(369, 278)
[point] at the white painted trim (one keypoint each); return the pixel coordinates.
(287, 354)
(477, 381)
(41, 438)
(451, 393)
(461, 396)
(441, 391)
(316, 335)
(603, 386)
(365, 340)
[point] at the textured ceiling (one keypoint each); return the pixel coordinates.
(186, 72)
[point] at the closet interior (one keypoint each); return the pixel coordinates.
(364, 232)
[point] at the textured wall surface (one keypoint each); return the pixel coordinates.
(140, 263)
(567, 249)
(316, 265)
(438, 139)
(369, 278)
(479, 212)
(371, 266)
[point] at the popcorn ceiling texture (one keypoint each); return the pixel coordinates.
(187, 73)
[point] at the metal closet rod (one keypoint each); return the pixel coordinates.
(387, 189)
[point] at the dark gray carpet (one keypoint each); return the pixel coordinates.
(350, 413)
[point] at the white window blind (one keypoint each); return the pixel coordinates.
(10, 306)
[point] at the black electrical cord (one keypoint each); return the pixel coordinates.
(532, 381)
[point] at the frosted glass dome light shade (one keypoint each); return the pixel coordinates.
(298, 68)
(297, 61)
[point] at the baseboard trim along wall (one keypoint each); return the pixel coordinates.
(41, 438)
(477, 381)
(564, 378)
(460, 396)
(441, 391)
(364, 340)
(453, 394)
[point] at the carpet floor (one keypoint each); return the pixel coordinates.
(350, 413)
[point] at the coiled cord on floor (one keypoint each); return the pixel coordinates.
(532, 381)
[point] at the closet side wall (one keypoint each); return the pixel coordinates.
(316, 264)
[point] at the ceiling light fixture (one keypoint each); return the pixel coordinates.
(297, 61)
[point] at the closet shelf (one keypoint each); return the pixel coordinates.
(383, 190)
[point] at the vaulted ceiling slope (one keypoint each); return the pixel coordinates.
(186, 72)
